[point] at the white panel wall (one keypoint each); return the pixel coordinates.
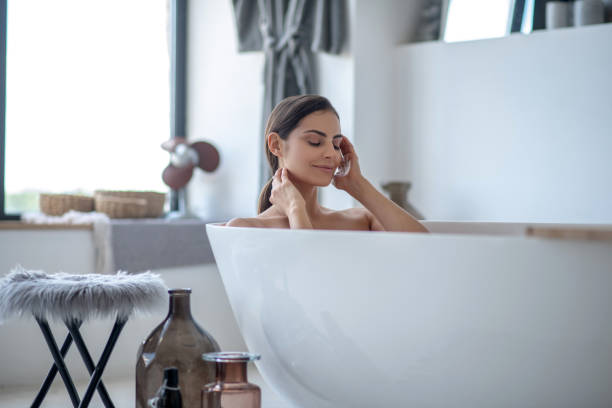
(379, 27)
(225, 92)
(511, 129)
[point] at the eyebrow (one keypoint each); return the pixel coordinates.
(318, 132)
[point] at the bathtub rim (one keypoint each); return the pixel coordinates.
(497, 229)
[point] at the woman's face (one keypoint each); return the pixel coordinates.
(311, 153)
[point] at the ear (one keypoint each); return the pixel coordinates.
(275, 144)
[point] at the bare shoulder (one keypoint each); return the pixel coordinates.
(258, 222)
(356, 212)
(241, 222)
(348, 219)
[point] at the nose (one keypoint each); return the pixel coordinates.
(331, 152)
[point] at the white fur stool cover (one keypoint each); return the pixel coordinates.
(65, 296)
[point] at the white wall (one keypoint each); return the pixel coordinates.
(225, 93)
(379, 26)
(510, 129)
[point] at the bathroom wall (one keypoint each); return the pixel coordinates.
(379, 26)
(223, 106)
(509, 129)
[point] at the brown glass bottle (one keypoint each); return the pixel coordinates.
(231, 388)
(178, 342)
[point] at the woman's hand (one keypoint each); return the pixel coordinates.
(349, 182)
(289, 200)
(284, 194)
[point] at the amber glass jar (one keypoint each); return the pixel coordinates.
(231, 388)
(178, 342)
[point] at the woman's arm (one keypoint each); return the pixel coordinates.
(384, 212)
(391, 216)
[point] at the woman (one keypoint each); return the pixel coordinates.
(303, 147)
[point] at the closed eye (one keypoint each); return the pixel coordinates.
(319, 144)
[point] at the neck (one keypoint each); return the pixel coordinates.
(310, 194)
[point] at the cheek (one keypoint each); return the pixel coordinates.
(298, 157)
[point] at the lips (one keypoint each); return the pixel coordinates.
(326, 169)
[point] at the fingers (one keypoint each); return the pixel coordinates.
(284, 176)
(281, 176)
(346, 146)
(276, 179)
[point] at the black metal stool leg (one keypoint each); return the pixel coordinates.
(73, 327)
(42, 393)
(97, 374)
(59, 361)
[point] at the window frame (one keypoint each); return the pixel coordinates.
(178, 88)
(3, 34)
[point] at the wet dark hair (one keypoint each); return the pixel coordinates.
(282, 120)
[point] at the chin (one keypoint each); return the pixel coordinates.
(317, 180)
(322, 181)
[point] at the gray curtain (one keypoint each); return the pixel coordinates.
(289, 32)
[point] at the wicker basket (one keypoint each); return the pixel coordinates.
(121, 207)
(154, 202)
(59, 204)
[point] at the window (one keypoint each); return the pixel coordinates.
(478, 19)
(87, 97)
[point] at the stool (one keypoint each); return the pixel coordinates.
(75, 299)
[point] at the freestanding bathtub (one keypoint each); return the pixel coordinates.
(472, 315)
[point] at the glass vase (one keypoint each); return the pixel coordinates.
(179, 342)
(231, 388)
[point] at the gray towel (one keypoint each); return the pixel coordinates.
(144, 244)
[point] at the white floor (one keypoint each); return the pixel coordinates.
(120, 390)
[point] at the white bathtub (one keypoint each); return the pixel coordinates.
(473, 315)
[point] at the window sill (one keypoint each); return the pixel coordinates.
(19, 225)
